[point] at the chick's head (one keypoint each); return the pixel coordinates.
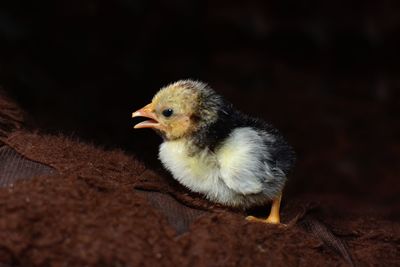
(180, 109)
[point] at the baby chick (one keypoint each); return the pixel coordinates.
(213, 149)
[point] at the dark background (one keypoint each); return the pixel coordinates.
(326, 73)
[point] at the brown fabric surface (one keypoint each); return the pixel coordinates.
(179, 216)
(11, 116)
(90, 212)
(14, 167)
(320, 231)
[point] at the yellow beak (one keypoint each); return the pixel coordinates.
(147, 112)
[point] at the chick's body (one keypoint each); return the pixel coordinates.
(237, 172)
(229, 157)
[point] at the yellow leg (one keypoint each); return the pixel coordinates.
(273, 217)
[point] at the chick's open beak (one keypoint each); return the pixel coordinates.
(147, 112)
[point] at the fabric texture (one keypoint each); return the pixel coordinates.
(67, 203)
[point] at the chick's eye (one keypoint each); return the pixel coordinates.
(167, 112)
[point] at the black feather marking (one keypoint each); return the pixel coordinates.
(210, 135)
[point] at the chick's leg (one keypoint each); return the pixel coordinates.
(274, 213)
(273, 217)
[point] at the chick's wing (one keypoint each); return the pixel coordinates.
(242, 161)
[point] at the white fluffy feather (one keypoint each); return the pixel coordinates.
(227, 175)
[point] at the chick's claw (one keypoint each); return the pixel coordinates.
(268, 220)
(254, 219)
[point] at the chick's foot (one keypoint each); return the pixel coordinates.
(270, 219)
(273, 217)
